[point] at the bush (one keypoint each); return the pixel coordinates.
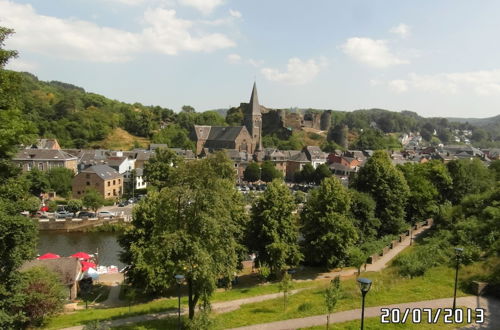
(304, 307)
(264, 272)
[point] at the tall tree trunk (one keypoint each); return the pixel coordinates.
(192, 299)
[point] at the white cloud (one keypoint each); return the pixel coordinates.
(204, 6)
(83, 40)
(298, 72)
(398, 85)
(233, 58)
(374, 53)
(169, 34)
(235, 13)
(129, 2)
(255, 63)
(402, 30)
(18, 64)
(485, 82)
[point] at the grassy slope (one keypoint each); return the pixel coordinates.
(119, 139)
(388, 288)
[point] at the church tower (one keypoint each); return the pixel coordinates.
(253, 120)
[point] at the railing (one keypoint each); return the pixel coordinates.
(75, 224)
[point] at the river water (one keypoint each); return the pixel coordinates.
(66, 244)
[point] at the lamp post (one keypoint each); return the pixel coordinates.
(179, 279)
(458, 254)
(364, 285)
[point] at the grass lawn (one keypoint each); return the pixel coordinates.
(97, 294)
(388, 288)
(163, 304)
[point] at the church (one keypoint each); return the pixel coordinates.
(246, 138)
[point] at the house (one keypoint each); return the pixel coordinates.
(247, 138)
(51, 144)
(142, 157)
(68, 270)
(121, 164)
(44, 159)
(276, 157)
(295, 162)
(315, 155)
(342, 170)
(106, 180)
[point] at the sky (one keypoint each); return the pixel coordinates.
(434, 57)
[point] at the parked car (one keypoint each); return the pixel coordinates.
(123, 203)
(86, 214)
(105, 214)
(63, 214)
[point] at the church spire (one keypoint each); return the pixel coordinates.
(254, 101)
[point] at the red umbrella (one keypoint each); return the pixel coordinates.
(81, 255)
(86, 265)
(48, 256)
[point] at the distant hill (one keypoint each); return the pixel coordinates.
(476, 121)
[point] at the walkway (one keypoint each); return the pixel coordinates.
(492, 321)
(227, 306)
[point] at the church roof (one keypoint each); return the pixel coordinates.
(224, 133)
(254, 101)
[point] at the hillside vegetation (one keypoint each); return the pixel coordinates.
(79, 119)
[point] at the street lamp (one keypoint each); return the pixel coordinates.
(458, 254)
(364, 285)
(179, 279)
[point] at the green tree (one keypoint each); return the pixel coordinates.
(356, 258)
(307, 173)
(38, 181)
(14, 130)
(158, 170)
(332, 295)
(321, 172)
(363, 212)
(327, 227)
(495, 169)
(269, 172)
(423, 195)
(74, 205)
(468, 177)
(93, 200)
(44, 296)
(188, 109)
(60, 179)
(388, 187)
(273, 232)
(252, 172)
(193, 226)
(285, 286)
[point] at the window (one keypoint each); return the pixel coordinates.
(114, 192)
(78, 192)
(114, 182)
(119, 181)
(109, 194)
(88, 183)
(87, 176)
(40, 166)
(109, 183)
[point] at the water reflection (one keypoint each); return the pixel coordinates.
(66, 244)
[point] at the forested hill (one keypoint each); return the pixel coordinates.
(79, 119)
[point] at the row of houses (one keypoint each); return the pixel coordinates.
(110, 172)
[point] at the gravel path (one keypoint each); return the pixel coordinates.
(490, 305)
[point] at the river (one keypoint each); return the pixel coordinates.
(66, 244)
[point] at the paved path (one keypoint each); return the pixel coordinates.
(217, 307)
(380, 263)
(227, 306)
(490, 305)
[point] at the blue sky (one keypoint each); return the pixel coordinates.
(437, 58)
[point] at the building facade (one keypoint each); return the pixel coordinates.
(102, 178)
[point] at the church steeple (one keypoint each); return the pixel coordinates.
(253, 120)
(254, 101)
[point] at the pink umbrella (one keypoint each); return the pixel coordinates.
(81, 255)
(86, 265)
(48, 256)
